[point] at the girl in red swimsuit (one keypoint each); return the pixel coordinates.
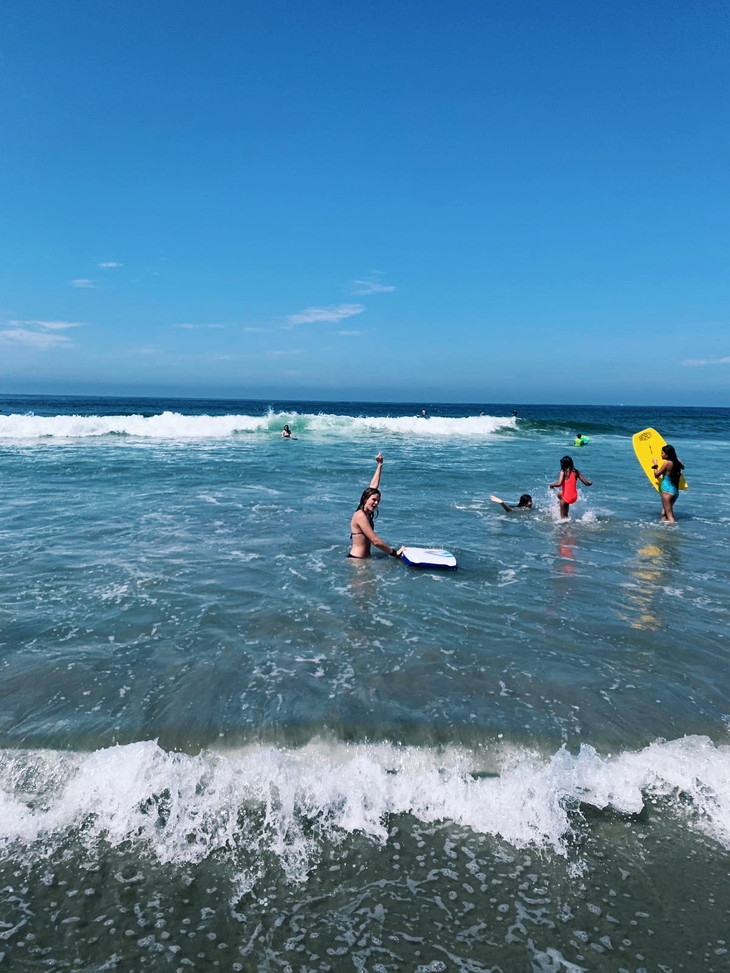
(567, 481)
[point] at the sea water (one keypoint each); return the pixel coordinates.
(226, 746)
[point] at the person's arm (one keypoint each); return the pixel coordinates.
(361, 519)
(583, 479)
(559, 481)
(502, 503)
(375, 482)
(659, 471)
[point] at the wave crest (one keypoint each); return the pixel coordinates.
(175, 425)
(183, 808)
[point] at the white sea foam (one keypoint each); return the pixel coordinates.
(184, 808)
(173, 425)
(167, 425)
(436, 425)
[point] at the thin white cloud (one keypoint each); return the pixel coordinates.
(370, 286)
(195, 327)
(697, 362)
(49, 325)
(254, 330)
(331, 315)
(34, 339)
(110, 263)
(82, 282)
(144, 350)
(282, 352)
(348, 332)
(38, 334)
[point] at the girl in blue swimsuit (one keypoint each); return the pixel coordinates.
(668, 475)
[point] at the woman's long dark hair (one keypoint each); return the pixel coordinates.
(366, 494)
(677, 467)
(566, 464)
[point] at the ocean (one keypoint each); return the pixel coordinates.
(226, 746)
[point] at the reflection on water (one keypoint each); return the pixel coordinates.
(566, 554)
(656, 560)
(362, 583)
(565, 565)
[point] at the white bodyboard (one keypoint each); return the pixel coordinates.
(429, 557)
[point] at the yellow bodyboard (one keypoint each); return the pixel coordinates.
(648, 448)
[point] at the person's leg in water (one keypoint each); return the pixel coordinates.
(668, 501)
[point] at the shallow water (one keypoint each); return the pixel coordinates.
(223, 743)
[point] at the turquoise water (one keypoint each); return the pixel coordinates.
(224, 745)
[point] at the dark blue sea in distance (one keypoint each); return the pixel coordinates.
(226, 746)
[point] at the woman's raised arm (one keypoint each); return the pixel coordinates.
(375, 482)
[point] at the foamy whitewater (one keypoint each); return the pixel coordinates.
(224, 745)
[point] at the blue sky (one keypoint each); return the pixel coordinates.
(517, 201)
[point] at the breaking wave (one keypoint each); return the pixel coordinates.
(175, 425)
(184, 808)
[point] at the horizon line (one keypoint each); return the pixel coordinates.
(422, 403)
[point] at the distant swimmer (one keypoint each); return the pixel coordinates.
(668, 475)
(524, 503)
(515, 413)
(424, 414)
(581, 440)
(362, 533)
(287, 433)
(567, 481)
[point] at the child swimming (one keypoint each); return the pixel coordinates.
(524, 503)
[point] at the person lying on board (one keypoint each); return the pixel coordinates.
(524, 503)
(362, 532)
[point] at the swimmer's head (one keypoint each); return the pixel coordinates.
(566, 463)
(525, 500)
(369, 501)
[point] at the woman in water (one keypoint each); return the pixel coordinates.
(362, 533)
(668, 475)
(287, 433)
(567, 481)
